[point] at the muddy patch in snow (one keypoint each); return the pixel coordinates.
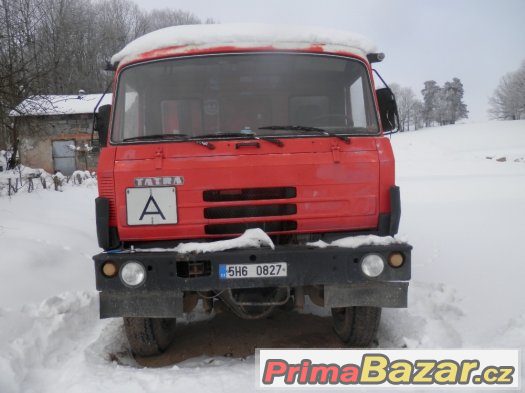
(226, 335)
(428, 322)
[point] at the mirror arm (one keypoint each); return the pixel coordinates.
(95, 111)
(382, 80)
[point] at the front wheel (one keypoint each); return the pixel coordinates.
(356, 326)
(149, 336)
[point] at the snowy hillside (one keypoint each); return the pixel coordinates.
(463, 198)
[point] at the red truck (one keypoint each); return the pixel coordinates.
(218, 129)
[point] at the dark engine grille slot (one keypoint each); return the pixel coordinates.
(249, 194)
(250, 211)
(269, 226)
(190, 269)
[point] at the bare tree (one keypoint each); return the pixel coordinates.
(406, 100)
(21, 68)
(158, 19)
(61, 46)
(508, 100)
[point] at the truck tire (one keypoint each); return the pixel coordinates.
(356, 326)
(149, 336)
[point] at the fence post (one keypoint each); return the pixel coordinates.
(10, 186)
(58, 182)
(20, 176)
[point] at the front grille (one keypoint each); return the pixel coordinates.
(250, 211)
(235, 228)
(249, 194)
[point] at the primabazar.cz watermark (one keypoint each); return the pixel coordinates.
(332, 368)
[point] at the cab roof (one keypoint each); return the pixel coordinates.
(189, 37)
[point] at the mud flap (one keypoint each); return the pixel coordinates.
(375, 294)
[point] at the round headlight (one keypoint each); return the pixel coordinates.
(133, 274)
(372, 265)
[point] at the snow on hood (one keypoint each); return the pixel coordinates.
(358, 241)
(250, 238)
(49, 105)
(242, 33)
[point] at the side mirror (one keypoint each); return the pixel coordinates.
(388, 110)
(101, 124)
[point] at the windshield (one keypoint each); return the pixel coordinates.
(221, 94)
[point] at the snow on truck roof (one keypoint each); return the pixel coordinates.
(53, 105)
(243, 34)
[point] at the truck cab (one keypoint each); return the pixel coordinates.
(247, 164)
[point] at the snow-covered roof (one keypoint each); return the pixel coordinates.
(242, 33)
(49, 105)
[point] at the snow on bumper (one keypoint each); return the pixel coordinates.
(169, 274)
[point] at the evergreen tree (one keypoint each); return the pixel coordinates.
(431, 97)
(453, 107)
(417, 114)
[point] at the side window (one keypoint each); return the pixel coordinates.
(181, 116)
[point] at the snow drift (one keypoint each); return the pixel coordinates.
(462, 211)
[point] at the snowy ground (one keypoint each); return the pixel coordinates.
(463, 193)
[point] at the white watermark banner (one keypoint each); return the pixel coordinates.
(375, 368)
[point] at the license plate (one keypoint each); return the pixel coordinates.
(253, 270)
(151, 205)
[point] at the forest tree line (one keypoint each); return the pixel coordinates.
(61, 46)
(441, 105)
(437, 105)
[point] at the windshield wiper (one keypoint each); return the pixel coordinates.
(242, 135)
(181, 137)
(155, 136)
(308, 129)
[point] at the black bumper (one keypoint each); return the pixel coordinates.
(169, 275)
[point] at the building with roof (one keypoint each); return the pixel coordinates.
(55, 131)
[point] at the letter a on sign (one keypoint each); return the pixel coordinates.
(157, 210)
(151, 205)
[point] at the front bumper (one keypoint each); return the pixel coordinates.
(169, 275)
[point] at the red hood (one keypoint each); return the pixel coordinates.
(320, 185)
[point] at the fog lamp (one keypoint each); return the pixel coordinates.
(133, 274)
(109, 269)
(396, 259)
(372, 265)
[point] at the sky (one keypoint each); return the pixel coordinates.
(477, 41)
